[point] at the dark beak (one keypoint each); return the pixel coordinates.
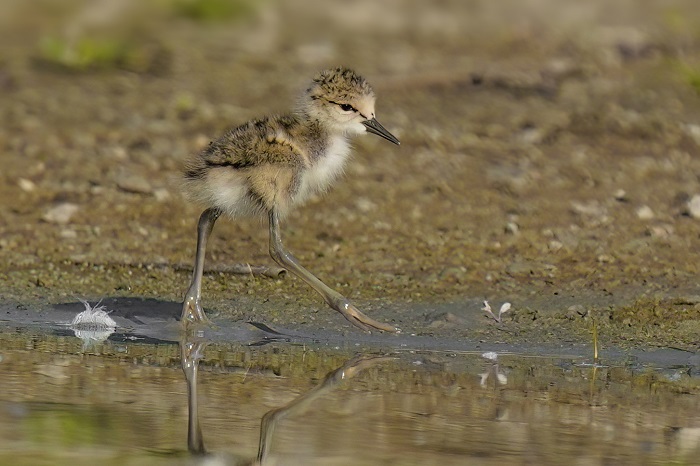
(374, 127)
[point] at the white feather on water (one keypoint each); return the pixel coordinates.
(93, 318)
(93, 325)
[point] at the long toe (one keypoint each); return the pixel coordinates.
(381, 325)
(359, 324)
(363, 321)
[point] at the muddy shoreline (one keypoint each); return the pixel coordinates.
(548, 160)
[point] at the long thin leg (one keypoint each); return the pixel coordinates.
(334, 299)
(192, 307)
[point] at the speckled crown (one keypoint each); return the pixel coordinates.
(339, 85)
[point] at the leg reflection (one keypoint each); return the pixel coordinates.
(348, 370)
(192, 352)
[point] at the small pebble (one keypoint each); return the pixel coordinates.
(134, 184)
(555, 245)
(591, 208)
(512, 228)
(661, 231)
(693, 131)
(68, 234)
(365, 205)
(26, 185)
(119, 153)
(161, 194)
(61, 213)
(645, 213)
(694, 206)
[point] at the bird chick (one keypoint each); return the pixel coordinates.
(269, 165)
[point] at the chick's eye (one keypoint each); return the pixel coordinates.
(347, 107)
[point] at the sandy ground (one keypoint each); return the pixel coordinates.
(549, 158)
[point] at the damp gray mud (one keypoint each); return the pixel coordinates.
(549, 160)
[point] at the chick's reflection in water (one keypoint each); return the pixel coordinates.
(192, 352)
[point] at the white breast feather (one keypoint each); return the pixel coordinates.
(325, 169)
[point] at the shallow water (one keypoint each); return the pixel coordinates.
(330, 401)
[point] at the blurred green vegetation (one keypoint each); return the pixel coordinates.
(214, 10)
(692, 77)
(86, 53)
(64, 426)
(680, 23)
(689, 73)
(123, 42)
(104, 53)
